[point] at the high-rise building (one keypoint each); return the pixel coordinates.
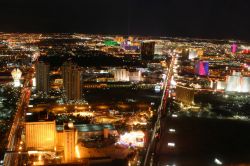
(159, 49)
(202, 68)
(234, 48)
(70, 141)
(185, 94)
(72, 81)
(40, 135)
(147, 50)
(42, 76)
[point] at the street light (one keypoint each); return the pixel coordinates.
(172, 130)
(217, 161)
(174, 115)
(171, 144)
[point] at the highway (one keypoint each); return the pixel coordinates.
(11, 159)
(160, 112)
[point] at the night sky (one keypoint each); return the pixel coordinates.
(187, 18)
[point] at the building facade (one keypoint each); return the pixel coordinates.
(238, 83)
(40, 135)
(72, 81)
(147, 50)
(69, 142)
(202, 68)
(121, 75)
(185, 95)
(42, 76)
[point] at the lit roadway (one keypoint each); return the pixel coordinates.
(11, 159)
(162, 108)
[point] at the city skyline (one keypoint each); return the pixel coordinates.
(124, 83)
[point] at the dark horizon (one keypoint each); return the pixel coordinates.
(226, 19)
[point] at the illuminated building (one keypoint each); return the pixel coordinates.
(159, 48)
(57, 83)
(72, 81)
(105, 132)
(158, 88)
(110, 43)
(200, 52)
(147, 50)
(133, 138)
(135, 76)
(234, 48)
(238, 83)
(126, 43)
(131, 48)
(130, 38)
(16, 75)
(202, 68)
(246, 51)
(85, 131)
(69, 142)
(233, 83)
(119, 39)
(130, 45)
(184, 95)
(42, 76)
(245, 84)
(35, 56)
(220, 85)
(125, 75)
(34, 82)
(40, 135)
(121, 75)
(192, 54)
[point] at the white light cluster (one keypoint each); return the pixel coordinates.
(16, 75)
(134, 138)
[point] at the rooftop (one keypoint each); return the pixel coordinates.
(88, 127)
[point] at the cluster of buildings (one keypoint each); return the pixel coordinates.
(205, 75)
(202, 67)
(235, 83)
(47, 136)
(63, 141)
(137, 63)
(71, 76)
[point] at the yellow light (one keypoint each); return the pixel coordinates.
(70, 125)
(32, 152)
(77, 151)
(40, 157)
